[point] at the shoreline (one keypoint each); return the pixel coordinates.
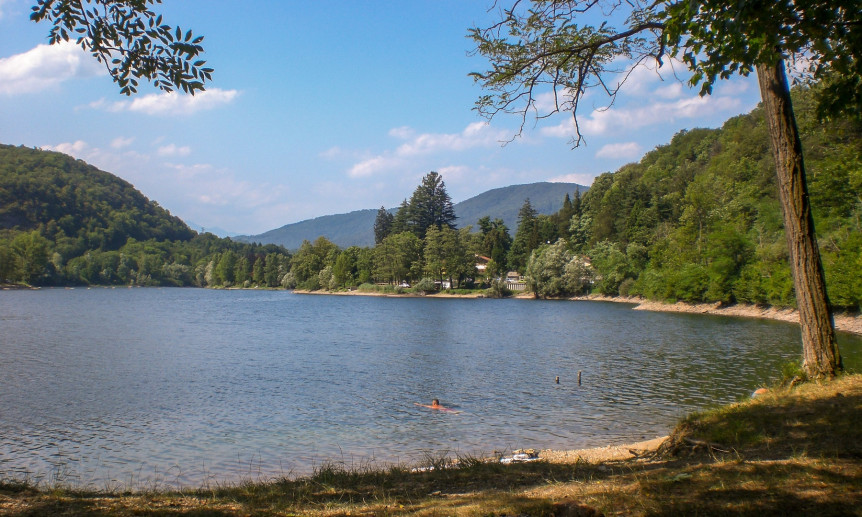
(848, 323)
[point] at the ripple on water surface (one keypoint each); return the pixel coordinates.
(189, 386)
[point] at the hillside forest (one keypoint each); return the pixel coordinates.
(696, 220)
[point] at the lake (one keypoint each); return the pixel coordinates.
(140, 388)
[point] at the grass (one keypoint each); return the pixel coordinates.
(792, 451)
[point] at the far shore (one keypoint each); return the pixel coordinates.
(851, 323)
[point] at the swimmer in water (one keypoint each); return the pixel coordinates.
(435, 404)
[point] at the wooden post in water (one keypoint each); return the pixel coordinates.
(579, 377)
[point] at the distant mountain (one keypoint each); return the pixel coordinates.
(351, 229)
(546, 198)
(357, 228)
(215, 230)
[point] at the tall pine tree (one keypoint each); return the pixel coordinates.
(430, 205)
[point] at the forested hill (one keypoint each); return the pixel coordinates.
(699, 219)
(90, 208)
(357, 228)
(65, 222)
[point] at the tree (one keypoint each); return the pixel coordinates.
(446, 254)
(430, 205)
(382, 225)
(496, 241)
(398, 258)
(539, 45)
(553, 271)
(130, 40)
(31, 253)
(225, 270)
(526, 237)
(400, 221)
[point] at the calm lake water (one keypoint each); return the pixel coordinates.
(183, 387)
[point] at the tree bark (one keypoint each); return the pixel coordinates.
(819, 349)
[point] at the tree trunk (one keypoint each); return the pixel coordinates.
(819, 349)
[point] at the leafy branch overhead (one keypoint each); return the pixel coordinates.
(131, 41)
(550, 47)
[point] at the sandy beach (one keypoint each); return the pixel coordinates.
(602, 454)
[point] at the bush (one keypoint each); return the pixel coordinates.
(426, 285)
(498, 289)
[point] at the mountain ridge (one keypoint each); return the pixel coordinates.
(356, 228)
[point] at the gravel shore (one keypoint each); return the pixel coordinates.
(851, 323)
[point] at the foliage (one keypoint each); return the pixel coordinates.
(424, 286)
(398, 258)
(553, 271)
(130, 40)
(699, 219)
(823, 35)
(498, 289)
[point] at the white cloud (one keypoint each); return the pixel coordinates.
(547, 102)
(189, 172)
(456, 173)
(565, 129)
(643, 78)
(174, 150)
(120, 142)
(671, 91)
(579, 178)
(402, 133)
(331, 153)
(172, 103)
(476, 134)
(45, 67)
(626, 150)
(110, 160)
(374, 165)
(611, 120)
(75, 149)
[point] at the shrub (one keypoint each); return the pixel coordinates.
(426, 285)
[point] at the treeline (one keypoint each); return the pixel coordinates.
(699, 220)
(64, 222)
(418, 244)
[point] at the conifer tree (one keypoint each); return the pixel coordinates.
(382, 225)
(430, 205)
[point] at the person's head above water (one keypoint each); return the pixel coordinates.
(435, 402)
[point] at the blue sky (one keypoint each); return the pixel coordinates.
(322, 107)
